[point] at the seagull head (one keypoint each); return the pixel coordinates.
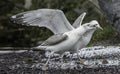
(93, 25)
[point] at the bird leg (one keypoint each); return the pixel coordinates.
(44, 66)
(67, 55)
(61, 58)
(78, 54)
(49, 58)
(71, 57)
(81, 61)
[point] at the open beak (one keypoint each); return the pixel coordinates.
(98, 26)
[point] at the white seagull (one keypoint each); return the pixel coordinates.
(66, 37)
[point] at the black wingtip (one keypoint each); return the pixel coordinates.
(17, 18)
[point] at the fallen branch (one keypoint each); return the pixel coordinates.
(4, 50)
(14, 48)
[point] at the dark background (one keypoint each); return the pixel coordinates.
(12, 34)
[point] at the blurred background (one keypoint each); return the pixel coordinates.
(17, 35)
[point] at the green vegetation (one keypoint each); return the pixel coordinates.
(105, 61)
(12, 34)
(106, 33)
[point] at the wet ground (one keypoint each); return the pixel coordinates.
(31, 62)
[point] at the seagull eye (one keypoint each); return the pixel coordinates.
(94, 25)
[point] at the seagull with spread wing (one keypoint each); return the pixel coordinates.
(66, 37)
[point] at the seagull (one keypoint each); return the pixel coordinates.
(70, 41)
(66, 37)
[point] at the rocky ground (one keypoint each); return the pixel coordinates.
(31, 62)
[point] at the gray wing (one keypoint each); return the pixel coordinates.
(55, 39)
(79, 20)
(52, 19)
(112, 9)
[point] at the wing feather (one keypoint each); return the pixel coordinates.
(52, 19)
(55, 39)
(79, 20)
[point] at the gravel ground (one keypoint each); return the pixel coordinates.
(31, 62)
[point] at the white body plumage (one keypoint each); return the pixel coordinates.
(76, 39)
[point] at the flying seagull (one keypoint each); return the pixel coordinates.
(66, 37)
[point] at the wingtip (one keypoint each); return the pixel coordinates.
(84, 13)
(59, 10)
(13, 17)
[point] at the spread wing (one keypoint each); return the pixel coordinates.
(79, 20)
(52, 19)
(55, 39)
